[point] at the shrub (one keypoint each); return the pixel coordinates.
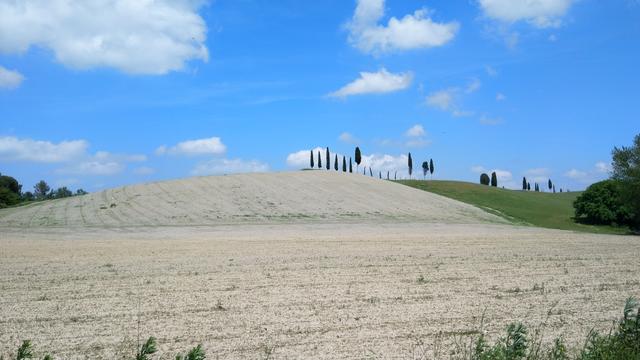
(484, 179)
(601, 204)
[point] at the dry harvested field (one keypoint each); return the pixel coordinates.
(378, 286)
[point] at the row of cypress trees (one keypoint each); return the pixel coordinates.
(427, 166)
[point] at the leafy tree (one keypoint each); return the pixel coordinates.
(62, 192)
(328, 158)
(524, 183)
(319, 160)
(41, 190)
(11, 184)
(350, 166)
(626, 170)
(603, 204)
(484, 179)
(410, 164)
(425, 169)
(431, 167)
(311, 159)
(358, 156)
(344, 163)
(335, 162)
(494, 179)
(28, 196)
(81, 192)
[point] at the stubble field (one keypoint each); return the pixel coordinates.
(372, 288)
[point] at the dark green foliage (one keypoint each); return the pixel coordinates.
(62, 192)
(28, 196)
(335, 163)
(41, 190)
(425, 168)
(528, 186)
(197, 353)
(484, 179)
(494, 179)
(524, 183)
(380, 174)
(370, 172)
(550, 184)
(25, 351)
(10, 191)
(328, 159)
(311, 164)
(358, 156)
(319, 160)
(80, 192)
(350, 166)
(148, 348)
(602, 204)
(344, 164)
(626, 170)
(431, 168)
(410, 164)
(387, 174)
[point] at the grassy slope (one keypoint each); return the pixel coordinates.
(547, 210)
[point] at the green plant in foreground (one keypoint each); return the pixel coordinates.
(197, 353)
(148, 348)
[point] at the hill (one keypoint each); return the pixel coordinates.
(303, 196)
(554, 211)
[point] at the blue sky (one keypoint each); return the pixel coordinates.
(101, 94)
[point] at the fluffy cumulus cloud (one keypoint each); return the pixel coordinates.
(138, 37)
(415, 131)
(375, 83)
(301, 159)
(72, 156)
(228, 166)
(599, 171)
(413, 31)
(540, 13)
(441, 99)
(208, 146)
(16, 149)
(10, 79)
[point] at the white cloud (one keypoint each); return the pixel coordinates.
(603, 167)
(489, 121)
(417, 143)
(10, 79)
(386, 162)
(539, 175)
(442, 99)
(94, 167)
(578, 175)
(500, 97)
(415, 131)
(346, 137)
(375, 83)
(473, 86)
(228, 166)
(540, 13)
(138, 37)
(413, 31)
(301, 159)
(208, 146)
(14, 149)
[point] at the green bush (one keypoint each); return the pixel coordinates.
(602, 204)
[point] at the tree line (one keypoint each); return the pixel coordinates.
(315, 161)
(11, 192)
(526, 185)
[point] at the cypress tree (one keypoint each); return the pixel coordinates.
(425, 169)
(380, 174)
(388, 175)
(350, 166)
(358, 156)
(370, 172)
(311, 159)
(554, 188)
(328, 158)
(319, 160)
(431, 167)
(410, 164)
(335, 163)
(494, 179)
(395, 175)
(364, 170)
(550, 184)
(528, 186)
(524, 183)
(344, 164)
(484, 179)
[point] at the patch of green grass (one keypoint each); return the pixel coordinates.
(548, 210)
